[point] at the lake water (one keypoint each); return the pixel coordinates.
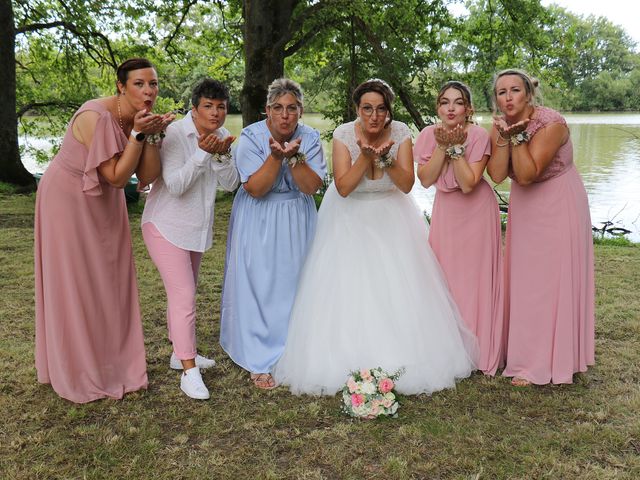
(606, 152)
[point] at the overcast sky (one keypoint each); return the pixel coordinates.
(625, 13)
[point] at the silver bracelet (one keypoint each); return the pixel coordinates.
(383, 161)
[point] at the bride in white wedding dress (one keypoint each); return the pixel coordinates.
(371, 292)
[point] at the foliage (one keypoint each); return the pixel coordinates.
(613, 241)
(498, 34)
(585, 63)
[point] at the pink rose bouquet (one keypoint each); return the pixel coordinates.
(369, 393)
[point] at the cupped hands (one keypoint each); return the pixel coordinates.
(151, 123)
(211, 143)
(505, 130)
(286, 150)
(447, 137)
(371, 152)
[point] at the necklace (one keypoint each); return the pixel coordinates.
(119, 113)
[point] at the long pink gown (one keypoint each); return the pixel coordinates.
(549, 271)
(89, 342)
(465, 235)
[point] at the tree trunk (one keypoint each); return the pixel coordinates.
(11, 168)
(266, 26)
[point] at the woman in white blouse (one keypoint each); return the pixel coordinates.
(177, 223)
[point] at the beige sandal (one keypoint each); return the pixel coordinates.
(263, 381)
(520, 382)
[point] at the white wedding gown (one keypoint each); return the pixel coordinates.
(371, 294)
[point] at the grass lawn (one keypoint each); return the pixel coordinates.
(484, 429)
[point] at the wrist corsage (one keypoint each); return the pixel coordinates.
(296, 159)
(383, 161)
(520, 138)
(455, 151)
(224, 157)
(155, 138)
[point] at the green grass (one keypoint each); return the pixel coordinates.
(484, 429)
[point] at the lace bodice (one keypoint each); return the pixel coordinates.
(563, 158)
(346, 134)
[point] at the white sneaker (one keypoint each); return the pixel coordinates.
(192, 385)
(201, 362)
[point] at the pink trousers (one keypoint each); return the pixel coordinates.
(179, 271)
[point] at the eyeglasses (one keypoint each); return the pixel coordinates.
(278, 109)
(380, 110)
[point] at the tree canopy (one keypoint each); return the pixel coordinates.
(65, 53)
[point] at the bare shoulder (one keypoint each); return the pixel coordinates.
(84, 126)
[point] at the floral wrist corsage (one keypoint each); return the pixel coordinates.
(296, 159)
(155, 138)
(383, 161)
(224, 157)
(455, 151)
(520, 138)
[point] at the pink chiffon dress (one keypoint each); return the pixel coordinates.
(549, 270)
(89, 342)
(465, 235)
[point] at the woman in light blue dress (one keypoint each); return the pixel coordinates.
(281, 165)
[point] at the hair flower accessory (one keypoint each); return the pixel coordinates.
(455, 151)
(520, 138)
(369, 393)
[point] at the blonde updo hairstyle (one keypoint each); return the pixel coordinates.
(531, 86)
(464, 90)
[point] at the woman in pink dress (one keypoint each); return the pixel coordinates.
(89, 342)
(465, 223)
(549, 283)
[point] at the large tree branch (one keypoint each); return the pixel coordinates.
(297, 25)
(301, 42)
(82, 36)
(174, 34)
(30, 106)
(397, 84)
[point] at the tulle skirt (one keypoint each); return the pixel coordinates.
(372, 294)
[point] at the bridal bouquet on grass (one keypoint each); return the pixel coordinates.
(369, 393)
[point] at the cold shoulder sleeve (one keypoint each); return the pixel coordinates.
(108, 142)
